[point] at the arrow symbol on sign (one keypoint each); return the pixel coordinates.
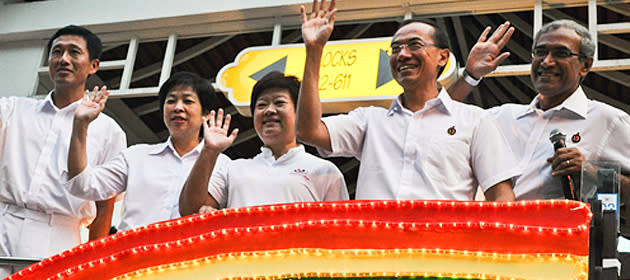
(384, 73)
(279, 66)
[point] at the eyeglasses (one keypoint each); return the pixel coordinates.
(556, 53)
(413, 45)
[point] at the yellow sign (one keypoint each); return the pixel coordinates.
(353, 73)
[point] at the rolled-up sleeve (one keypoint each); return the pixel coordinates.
(493, 160)
(346, 133)
(100, 182)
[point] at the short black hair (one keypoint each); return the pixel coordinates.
(275, 79)
(439, 37)
(94, 45)
(203, 88)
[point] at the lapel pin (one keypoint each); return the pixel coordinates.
(451, 130)
(576, 137)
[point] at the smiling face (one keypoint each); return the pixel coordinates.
(413, 69)
(69, 62)
(183, 112)
(557, 78)
(274, 118)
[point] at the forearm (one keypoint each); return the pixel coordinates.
(77, 155)
(460, 90)
(310, 128)
(195, 191)
(103, 221)
(501, 192)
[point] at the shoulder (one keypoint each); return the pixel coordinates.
(22, 102)
(107, 125)
(605, 115)
(140, 149)
(604, 110)
(510, 109)
(318, 163)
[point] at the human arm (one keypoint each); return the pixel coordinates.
(502, 191)
(195, 194)
(484, 57)
(103, 221)
(316, 32)
(91, 106)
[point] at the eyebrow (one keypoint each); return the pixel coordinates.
(185, 94)
(409, 40)
(70, 45)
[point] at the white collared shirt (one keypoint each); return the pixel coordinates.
(34, 141)
(442, 151)
(296, 176)
(152, 176)
(599, 131)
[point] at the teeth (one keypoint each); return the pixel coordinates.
(405, 67)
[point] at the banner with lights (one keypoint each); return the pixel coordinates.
(340, 240)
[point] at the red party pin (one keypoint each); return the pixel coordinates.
(451, 130)
(576, 137)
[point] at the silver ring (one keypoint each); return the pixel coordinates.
(568, 162)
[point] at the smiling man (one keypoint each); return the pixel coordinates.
(425, 146)
(38, 217)
(562, 55)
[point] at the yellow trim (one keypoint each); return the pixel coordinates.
(278, 264)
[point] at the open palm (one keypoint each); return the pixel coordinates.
(92, 104)
(317, 29)
(215, 131)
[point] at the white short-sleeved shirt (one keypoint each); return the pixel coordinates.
(599, 131)
(296, 176)
(152, 176)
(34, 140)
(440, 152)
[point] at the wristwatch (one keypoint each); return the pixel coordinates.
(470, 79)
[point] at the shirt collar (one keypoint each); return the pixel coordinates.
(168, 146)
(441, 103)
(267, 154)
(49, 103)
(577, 103)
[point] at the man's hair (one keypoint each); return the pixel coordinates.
(94, 45)
(275, 80)
(439, 37)
(203, 88)
(587, 46)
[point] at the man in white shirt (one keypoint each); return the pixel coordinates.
(562, 56)
(38, 217)
(426, 146)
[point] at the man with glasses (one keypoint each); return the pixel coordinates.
(562, 56)
(425, 146)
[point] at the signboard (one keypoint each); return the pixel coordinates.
(353, 73)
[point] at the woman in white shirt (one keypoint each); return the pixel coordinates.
(283, 172)
(151, 175)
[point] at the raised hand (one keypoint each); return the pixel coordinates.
(317, 29)
(91, 105)
(484, 56)
(215, 131)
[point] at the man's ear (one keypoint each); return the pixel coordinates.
(443, 58)
(587, 64)
(94, 64)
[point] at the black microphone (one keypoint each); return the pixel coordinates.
(558, 138)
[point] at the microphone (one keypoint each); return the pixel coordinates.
(558, 138)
